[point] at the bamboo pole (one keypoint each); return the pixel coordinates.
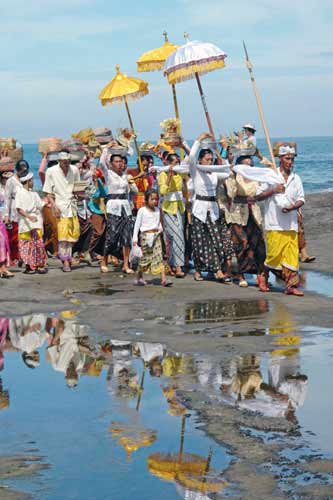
(140, 391)
(135, 141)
(203, 99)
(259, 106)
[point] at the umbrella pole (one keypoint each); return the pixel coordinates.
(259, 106)
(135, 141)
(209, 122)
(182, 437)
(175, 103)
(141, 390)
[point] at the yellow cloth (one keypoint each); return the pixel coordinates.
(176, 184)
(68, 229)
(282, 250)
(27, 235)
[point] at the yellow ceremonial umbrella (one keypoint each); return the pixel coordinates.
(121, 90)
(154, 60)
(132, 438)
(192, 60)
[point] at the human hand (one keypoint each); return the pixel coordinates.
(32, 218)
(287, 209)
(279, 188)
(204, 135)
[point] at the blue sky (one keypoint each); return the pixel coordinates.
(58, 54)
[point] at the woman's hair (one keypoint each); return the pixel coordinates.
(125, 159)
(21, 167)
(204, 152)
(51, 163)
(241, 158)
(149, 193)
(171, 157)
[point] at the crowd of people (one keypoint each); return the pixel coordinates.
(201, 210)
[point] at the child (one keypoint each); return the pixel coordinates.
(30, 227)
(149, 224)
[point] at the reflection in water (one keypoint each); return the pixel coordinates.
(213, 311)
(146, 418)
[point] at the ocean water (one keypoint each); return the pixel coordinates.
(314, 162)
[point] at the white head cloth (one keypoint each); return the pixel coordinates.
(286, 150)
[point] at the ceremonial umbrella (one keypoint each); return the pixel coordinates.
(154, 60)
(121, 90)
(132, 438)
(192, 60)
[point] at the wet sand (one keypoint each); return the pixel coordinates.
(113, 308)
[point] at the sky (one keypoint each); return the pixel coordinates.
(57, 55)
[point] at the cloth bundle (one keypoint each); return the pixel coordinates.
(49, 145)
(16, 154)
(84, 135)
(103, 135)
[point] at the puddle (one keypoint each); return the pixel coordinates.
(214, 311)
(104, 417)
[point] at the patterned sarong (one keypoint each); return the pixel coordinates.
(174, 231)
(31, 248)
(152, 256)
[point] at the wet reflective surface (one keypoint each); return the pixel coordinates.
(110, 419)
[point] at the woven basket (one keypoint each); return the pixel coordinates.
(172, 139)
(16, 154)
(50, 145)
(7, 144)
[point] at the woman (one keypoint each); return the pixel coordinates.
(12, 186)
(120, 223)
(210, 237)
(173, 208)
(245, 222)
(50, 235)
(96, 206)
(30, 227)
(4, 242)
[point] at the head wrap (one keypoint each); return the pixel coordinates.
(26, 177)
(286, 150)
(250, 126)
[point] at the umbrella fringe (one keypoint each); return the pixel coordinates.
(150, 66)
(121, 99)
(185, 71)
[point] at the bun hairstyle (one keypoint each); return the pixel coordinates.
(149, 193)
(22, 168)
(241, 158)
(204, 152)
(172, 156)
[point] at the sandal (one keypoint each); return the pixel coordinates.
(140, 282)
(166, 283)
(29, 271)
(294, 291)
(104, 269)
(42, 270)
(243, 283)
(180, 275)
(308, 259)
(66, 269)
(6, 275)
(227, 280)
(198, 277)
(128, 271)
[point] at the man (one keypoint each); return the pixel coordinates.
(281, 221)
(59, 188)
(249, 131)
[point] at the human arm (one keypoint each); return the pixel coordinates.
(163, 183)
(48, 190)
(103, 162)
(271, 191)
(138, 223)
(42, 168)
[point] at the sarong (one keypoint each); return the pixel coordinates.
(50, 231)
(97, 240)
(249, 246)
(68, 229)
(211, 243)
(174, 232)
(4, 245)
(13, 241)
(282, 255)
(152, 256)
(119, 233)
(32, 250)
(86, 229)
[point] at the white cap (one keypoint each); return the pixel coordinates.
(286, 150)
(26, 178)
(250, 125)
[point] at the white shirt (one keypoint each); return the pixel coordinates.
(30, 202)
(149, 351)
(116, 184)
(251, 139)
(147, 220)
(205, 184)
(62, 187)
(28, 332)
(12, 186)
(275, 219)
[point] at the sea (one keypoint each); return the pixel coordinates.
(314, 162)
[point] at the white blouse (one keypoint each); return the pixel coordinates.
(30, 202)
(11, 188)
(147, 220)
(205, 184)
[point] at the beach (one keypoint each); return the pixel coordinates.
(209, 319)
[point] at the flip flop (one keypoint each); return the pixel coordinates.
(309, 259)
(41, 271)
(243, 284)
(29, 271)
(167, 283)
